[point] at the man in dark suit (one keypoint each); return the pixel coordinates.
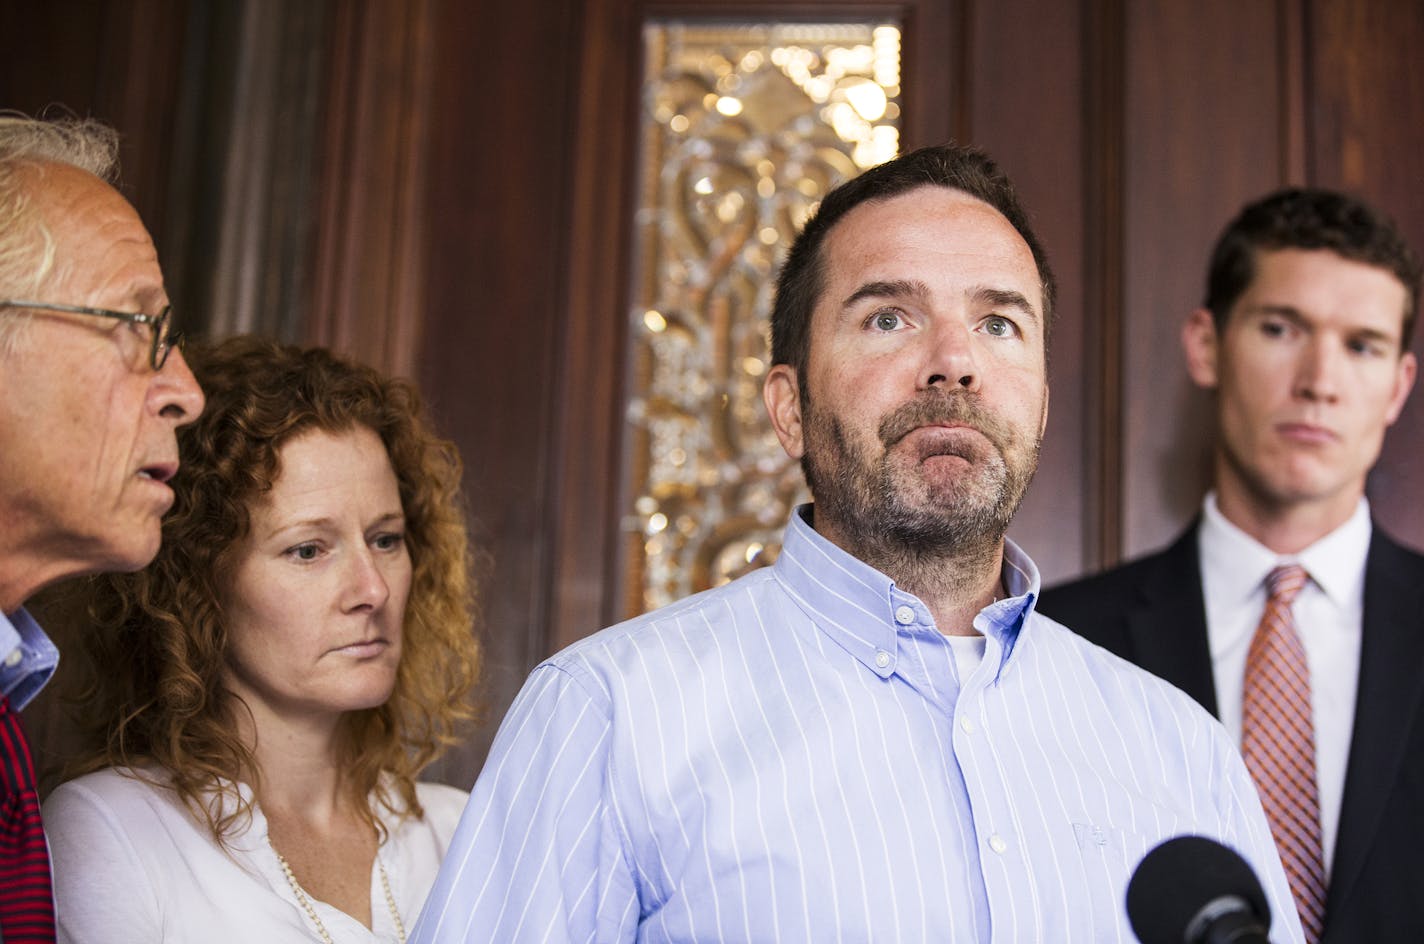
(1284, 609)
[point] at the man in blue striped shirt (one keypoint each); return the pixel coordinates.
(877, 738)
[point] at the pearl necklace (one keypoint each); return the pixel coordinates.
(306, 904)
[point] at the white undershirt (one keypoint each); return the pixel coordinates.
(1328, 616)
(968, 653)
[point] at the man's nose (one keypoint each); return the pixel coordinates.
(949, 358)
(1318, 370)
(174, 393)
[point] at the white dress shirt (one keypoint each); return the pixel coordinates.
(1328, 617)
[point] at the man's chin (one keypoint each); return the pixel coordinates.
(944, 517)
(133, 553)
(936, 494)
(1306, 484)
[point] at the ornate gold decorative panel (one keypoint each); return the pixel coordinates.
(745, 127)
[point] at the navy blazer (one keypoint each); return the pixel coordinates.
(1150, 611)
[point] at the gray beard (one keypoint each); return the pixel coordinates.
(948, 526)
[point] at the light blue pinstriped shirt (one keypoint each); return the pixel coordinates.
(34, 658)
(792, 757)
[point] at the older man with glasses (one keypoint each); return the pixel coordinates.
(92, 391)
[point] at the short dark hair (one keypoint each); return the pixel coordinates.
(1309, 218)
(954, 167)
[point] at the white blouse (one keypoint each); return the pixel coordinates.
(133, 866)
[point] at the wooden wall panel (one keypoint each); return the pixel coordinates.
(497, 211)
(70, 36)
(369, 292)
(1366, 135)
(1134, 128)
(1202, 133)
(587, 446)
(260, 122)
(116, 60)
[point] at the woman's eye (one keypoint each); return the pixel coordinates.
(887, 320)
(305, 552)
(388, 542)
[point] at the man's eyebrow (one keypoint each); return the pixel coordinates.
(1005, 298)
(1289, 312)
(914, 288)
(1376, 335)
(149, 298)
(1297, 317)
(892, 288)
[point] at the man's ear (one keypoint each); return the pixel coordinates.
(782, 395)
(1404, 382)
(1202, 348)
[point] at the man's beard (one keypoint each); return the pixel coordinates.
(890, 505)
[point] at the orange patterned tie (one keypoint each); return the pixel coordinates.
(1278, 743)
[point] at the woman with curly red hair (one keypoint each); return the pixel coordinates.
(263, 696)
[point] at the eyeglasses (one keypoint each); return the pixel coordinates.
(165, 336)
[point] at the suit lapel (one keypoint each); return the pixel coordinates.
(1167, 622)
(1390, 690)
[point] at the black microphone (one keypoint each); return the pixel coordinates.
(1194, 890)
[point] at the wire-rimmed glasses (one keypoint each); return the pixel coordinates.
(165, 336)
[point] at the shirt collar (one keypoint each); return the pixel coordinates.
(1238, 563)
(37, 658)
(862, 610)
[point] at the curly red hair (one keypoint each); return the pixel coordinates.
(154, 657)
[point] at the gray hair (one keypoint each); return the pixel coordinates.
(26, 245)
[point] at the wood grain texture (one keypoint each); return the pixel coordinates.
(1366, 136)
(469, 173)
(497, 205)
(368, 296)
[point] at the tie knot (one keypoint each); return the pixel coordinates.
(1285, 583)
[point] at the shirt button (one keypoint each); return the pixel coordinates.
(13, 659)
(996, 842)
(967, 724)
(882, 658)
(905, 615)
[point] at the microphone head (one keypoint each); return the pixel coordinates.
(1179, 878)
